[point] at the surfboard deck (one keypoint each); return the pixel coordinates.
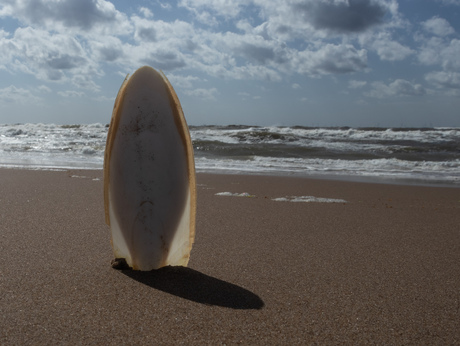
(149, 175)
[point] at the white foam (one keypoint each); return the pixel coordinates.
(308, 199)
(448, 171)
(50, 146)
(231, 194)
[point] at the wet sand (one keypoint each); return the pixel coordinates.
(381, 268)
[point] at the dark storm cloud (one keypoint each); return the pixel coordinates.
(354, 16)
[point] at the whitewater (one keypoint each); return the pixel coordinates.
(395, 155)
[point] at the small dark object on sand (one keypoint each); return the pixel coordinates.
(119, 263)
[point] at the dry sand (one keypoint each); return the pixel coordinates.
(382, 268)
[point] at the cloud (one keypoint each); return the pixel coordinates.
(262, 40)
(437, 51)
(296, 86)
(207, 94)
(257, 53)
(85, 81)
(144, 29)
(450, 2)
(438, 26)
(441, 79)
(110, 49)
(224, 8)
(331, 59)
(164, 5)
(443, 53)
(44, 88)
(71, 93)
(45, 55)
(398, 88)
(13, 94)
(80, 15)
(146, 12)
(390, 50)
(182, 82)
(249, 71)
(356, 84)
(164, 45)
(167, 60)
(341, 16)
(65, 62)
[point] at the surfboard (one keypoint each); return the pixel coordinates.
(149, 175)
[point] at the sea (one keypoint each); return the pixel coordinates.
(426, 156)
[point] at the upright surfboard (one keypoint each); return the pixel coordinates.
(149, 175)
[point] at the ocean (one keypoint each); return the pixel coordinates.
(429, 156)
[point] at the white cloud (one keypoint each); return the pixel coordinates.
(182, 82)
(450, 2)
(71, 93)
(13, 94)
(146, 12)
(444, 54)
(356, 84)
(107, 49)
(44, 88)
(85, 81)
(206, 94)
(44, 54)
(51, 56)
(390, 50)
(437, 51)
(250, 71)
(223, 8)
(296, 86)
(438, 26)
(272, 39)
(71, 15)
(441, 79)
(330, 59)
(399, 87)
(164, 5)
(72, 46)
(164, 45)
(144, 29)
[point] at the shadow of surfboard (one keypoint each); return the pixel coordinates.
(198, 287)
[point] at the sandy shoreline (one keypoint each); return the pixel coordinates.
(381, 268)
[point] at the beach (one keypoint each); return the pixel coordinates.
(360, 263)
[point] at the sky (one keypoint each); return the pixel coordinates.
(353, 63)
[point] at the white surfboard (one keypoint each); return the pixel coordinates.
(149, 175)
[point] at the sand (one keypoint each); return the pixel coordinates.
(381, 268)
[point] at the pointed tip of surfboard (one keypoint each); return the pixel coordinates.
(149, 174)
